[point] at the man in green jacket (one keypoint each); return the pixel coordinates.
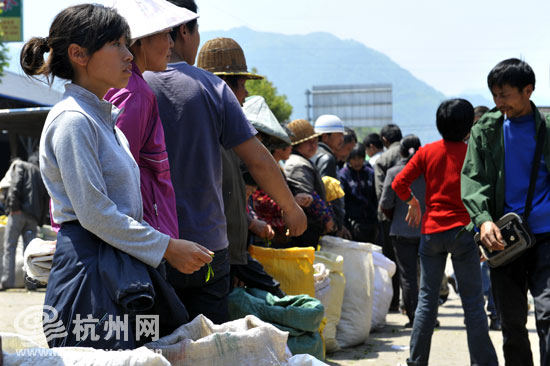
(495, 180)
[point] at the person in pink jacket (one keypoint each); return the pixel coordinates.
(150, 27)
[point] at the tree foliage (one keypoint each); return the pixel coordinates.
(4, 57)
(278, 103)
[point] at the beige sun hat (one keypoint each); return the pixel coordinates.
(224, 56)
(147, 17)
(302, 130)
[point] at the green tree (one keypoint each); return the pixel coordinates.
(277, 102)
(4, 57)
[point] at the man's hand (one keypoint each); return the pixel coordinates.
(295, 220)
(491, 236)
(261, 229)
(414, 215)
(303, 199)
(187, 256)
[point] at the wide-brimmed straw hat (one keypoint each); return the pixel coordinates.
(224, 56)
(147, 17)
(302, 130)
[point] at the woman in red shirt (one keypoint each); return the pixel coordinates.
(441, 163)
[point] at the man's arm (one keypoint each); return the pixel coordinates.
(380, 169)
(477, 190)
(268, 175)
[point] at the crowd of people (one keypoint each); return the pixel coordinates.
(164, 172)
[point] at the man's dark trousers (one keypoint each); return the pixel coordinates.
(510, 283)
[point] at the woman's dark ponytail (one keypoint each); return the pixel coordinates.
(32, 57)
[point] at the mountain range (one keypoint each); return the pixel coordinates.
(295, 63)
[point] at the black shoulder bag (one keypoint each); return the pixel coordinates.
(515, 233)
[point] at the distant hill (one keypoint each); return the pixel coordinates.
(295, 63)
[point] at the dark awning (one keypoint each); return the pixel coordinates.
(24, 121)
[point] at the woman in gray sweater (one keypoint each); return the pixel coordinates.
(104, 275)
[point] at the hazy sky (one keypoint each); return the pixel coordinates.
(451, 45)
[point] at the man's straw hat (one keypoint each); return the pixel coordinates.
(224, 56)
(302, 130)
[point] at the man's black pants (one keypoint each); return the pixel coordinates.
(510, 283)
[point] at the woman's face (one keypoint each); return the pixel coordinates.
(308, 148)
(109, 67)
(356, 163)
(154, 52)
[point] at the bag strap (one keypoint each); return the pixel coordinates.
(541, 134)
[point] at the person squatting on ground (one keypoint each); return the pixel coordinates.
(27, 207)
(201, 115)
(405, 239)
(495, 180)
(93, 182)
(442, 233)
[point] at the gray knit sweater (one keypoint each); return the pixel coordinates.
(92, 177)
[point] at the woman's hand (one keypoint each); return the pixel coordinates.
(414, 215)
(187, 256)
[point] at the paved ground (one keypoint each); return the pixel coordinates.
(19, 311)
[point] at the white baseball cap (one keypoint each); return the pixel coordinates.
(147, 17)
(329, 123)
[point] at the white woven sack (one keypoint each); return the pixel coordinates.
(355, 321)
(384, 269)
(38, 258)
(246, 341)
(305, 360)
(322, 283)
(20, 351)
(333, 308)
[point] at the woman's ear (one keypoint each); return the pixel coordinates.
(78, 54)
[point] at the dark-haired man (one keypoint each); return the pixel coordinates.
(391, 136)
(495, 180)
(373, 147)
(201, 115)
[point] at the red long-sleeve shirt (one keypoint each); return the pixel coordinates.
(440, 162)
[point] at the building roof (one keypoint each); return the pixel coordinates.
(24, 121)
(22, 88)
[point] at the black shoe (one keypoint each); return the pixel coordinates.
(437, 325)
(409, 324)
(494, 324)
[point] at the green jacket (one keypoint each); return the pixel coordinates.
(482, 181)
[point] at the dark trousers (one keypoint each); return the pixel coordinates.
(201, 297)
(406, 255)
(387, 250)
(253, 275)
(510, 283)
